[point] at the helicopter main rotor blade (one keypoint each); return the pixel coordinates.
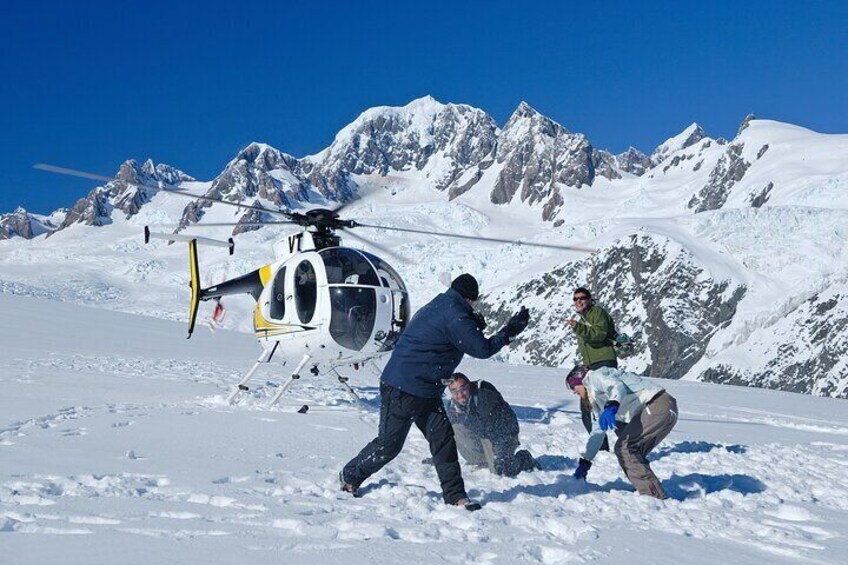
(479, 238)
(71, 172)
(94, 176)
(386, 250)
(361, 198)
(250, 224)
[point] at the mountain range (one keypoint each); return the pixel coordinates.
(725, 260)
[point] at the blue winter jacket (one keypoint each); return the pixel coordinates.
(433, 343)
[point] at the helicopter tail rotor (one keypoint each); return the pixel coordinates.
(194, 283)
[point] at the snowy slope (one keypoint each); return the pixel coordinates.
(116, 445)
(726, 259)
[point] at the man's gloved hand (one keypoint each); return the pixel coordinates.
(582, 469)
(478, 320)
(517, 323)
(607, 419)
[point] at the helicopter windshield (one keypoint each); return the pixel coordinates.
(387, 274)
(348, 266)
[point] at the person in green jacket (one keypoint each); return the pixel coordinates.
(595, 331)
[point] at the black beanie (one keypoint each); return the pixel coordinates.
(466, 286)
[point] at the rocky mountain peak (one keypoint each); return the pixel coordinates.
(21, 223)
(633, 161)
(524, 110)
(263, 157)
(536, 153)
(526, 119)
(745, 123)
(15, 224)
(688, 137)
(149, 173)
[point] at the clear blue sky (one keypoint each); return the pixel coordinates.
(89, 84)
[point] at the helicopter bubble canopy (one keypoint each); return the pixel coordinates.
(340, 301)
(367, 297)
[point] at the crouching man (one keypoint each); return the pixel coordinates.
(640, 412)
(485, 427)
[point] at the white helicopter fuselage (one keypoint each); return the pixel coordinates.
(337, 305)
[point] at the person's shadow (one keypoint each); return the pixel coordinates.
(693, 485)
(694, 447)
(532, 415)
(697, 485)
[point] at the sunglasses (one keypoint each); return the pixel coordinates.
(459, 389)
(581, 298)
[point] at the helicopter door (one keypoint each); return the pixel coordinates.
(400, 317)
(353, 314)
(305, 291)
(277, 304)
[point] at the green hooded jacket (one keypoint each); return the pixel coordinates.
(595, 335)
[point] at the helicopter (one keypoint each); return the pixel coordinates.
(319, 302)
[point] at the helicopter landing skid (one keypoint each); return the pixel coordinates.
(295, 376)
(343, 381)
(242, 385)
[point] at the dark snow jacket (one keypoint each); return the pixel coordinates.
(487, 415)
(433, 343)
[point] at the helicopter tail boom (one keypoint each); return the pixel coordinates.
(251, 284)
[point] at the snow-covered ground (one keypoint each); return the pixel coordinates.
(117, 446)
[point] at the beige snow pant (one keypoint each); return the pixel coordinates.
(640, 436)
(475, 450)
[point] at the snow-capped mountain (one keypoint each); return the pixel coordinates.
(438, 141)
(688, 137)
(21, 223)
(724, 259)
(126, 193)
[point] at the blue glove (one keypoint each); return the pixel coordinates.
(607, 419)
(582, 469)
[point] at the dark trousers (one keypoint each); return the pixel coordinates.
(586, 409)
(398, 411)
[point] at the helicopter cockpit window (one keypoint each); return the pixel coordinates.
(387, 274)
(348, 266)
(352, 316)
(305, 291)
(277, 307)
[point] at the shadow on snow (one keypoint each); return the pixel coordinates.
(694, 447)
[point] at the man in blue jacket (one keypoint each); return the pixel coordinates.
(414, 379)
